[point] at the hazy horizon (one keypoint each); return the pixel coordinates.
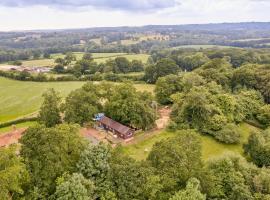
(66, 14)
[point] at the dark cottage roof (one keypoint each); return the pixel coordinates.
(115, 125)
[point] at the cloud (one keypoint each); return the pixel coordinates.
(127, 5)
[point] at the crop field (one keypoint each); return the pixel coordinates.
(20, 99)
(210, 147)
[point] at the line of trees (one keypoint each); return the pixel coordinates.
(87, 65)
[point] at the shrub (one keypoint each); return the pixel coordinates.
(264, 115)
(228, 134)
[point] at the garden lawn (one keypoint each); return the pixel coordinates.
(210, 147)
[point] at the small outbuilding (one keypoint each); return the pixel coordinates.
(117, 128)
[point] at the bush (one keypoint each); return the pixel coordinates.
(264, 115)
(111, 77)
(228, 134)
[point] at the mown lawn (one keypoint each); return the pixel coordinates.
(20, 98)
(210, 147)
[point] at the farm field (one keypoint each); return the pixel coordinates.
(202, 47)
(98, 57)
(20, 99)
(130, 57)
(39, 62)
(250, 39)
(210, 147)
(79, 55)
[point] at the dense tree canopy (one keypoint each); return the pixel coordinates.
(182, 153)
(48, 153)
(13, 174)
(162, 68)
(258, 148)
(94, 165)
(74, 187)
(82, 104)
(49, 113)
(130, 107)
(192, 191)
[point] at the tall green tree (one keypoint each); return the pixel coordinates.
(130, 107)
(166, 86)
(162, 68)
(258, 148)
(82, 104)
(177, 159)
(94, 165)
(13, 174)
(48, 153)
(74, 187)
(69, 58)
(131, 179)
(136, 66)
(123, 65)
(264, 115)
(230, 178)
(191, 192)
(49, 113)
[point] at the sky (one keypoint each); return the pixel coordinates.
(62, 14)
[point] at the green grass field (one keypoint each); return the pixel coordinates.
(20, 99)
(202, 47)
(210, 147)
(21, 125)
(79, 55)
(98, 57)
(130, 57)
(39, 62)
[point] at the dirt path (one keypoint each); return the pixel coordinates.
(161, 124)
(11, 137)
(163, 121)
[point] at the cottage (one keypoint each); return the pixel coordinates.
(120, 130)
